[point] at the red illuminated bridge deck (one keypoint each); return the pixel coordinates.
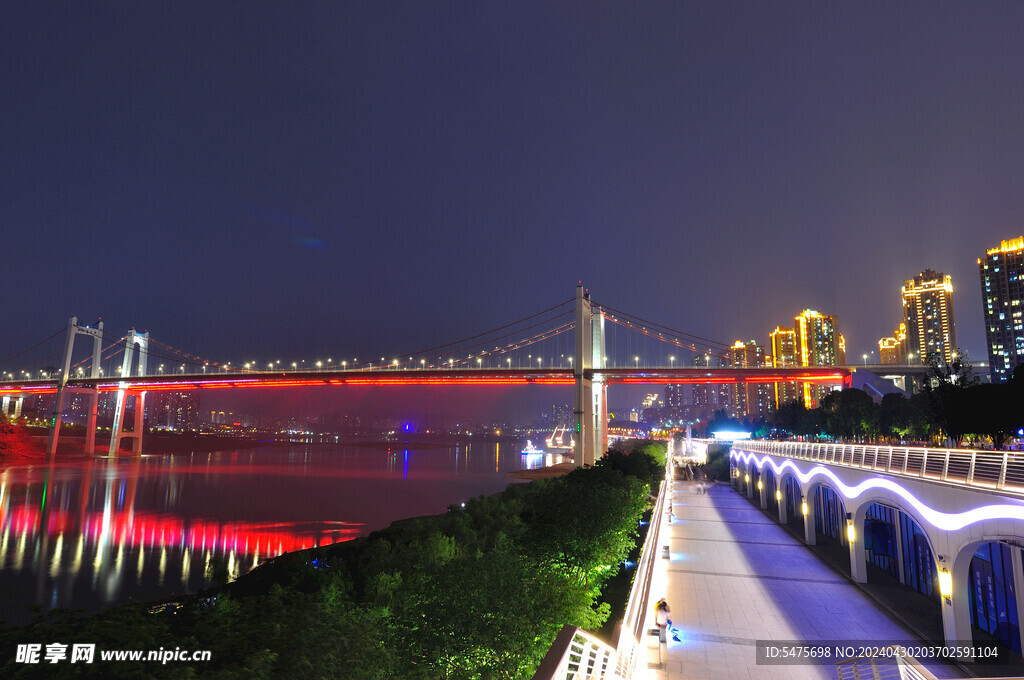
(468, 377)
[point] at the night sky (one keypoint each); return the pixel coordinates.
(305, 179)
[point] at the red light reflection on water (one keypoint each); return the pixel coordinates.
(147, 530)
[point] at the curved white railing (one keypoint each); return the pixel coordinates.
(578, 655)
(999, 470)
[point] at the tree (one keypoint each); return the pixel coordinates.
(849, 413)
(895, 416)
(991, 411)
(797, 419)
(946, 390)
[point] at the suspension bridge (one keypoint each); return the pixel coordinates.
(566, 344)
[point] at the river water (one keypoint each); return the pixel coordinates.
(84, 533)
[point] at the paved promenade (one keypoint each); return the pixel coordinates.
(735, 577)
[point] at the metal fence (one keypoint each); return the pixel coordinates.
(1001, 470)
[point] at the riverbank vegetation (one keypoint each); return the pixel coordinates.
(478, 592)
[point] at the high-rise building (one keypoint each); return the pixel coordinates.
(749, 399)
(928, 315)
(888, 351)
(708, 398)
(174, 410)
(1002, 297)
(783, 345)
(818, 343)
(893, 350)
(675, 396)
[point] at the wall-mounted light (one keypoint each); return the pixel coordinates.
(778, 496)
(946, 585)
(851, 532)
(746, 478)
(760, 486)
(803, 507)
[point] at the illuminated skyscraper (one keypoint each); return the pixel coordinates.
(750, 399)
(783, 346)
(1002, 297)
(893, 350)
(818, 343)
(928, 314)
(708, 398)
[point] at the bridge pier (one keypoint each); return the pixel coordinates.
(116, 430)
(18, 401)
(590, 405)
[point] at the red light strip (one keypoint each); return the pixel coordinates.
(555, 377)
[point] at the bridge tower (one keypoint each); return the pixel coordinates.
(590, 403)
(116, 431)
(63, 390)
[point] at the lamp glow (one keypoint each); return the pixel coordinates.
(945, 584)
(851, 532)
(760, 486)
(803, 507)
(778, 495)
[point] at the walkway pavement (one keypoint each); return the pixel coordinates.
(735, 576)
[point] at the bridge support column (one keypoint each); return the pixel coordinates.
(956, 614)
(858, 556)
(116, 431)
(590, 400)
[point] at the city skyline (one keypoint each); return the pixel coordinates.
(363, 178)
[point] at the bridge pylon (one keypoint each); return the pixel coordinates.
(96, 333)
(116, 432)
(590, 404)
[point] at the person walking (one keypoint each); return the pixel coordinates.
(661, 619)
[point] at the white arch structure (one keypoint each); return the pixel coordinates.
(957, 516)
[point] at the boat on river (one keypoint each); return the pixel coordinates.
(531, 450)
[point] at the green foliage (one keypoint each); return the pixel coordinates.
(850, 413)
(643, 466)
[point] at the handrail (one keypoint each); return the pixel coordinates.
(987, 470)
(577, 655)
(631, 635)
